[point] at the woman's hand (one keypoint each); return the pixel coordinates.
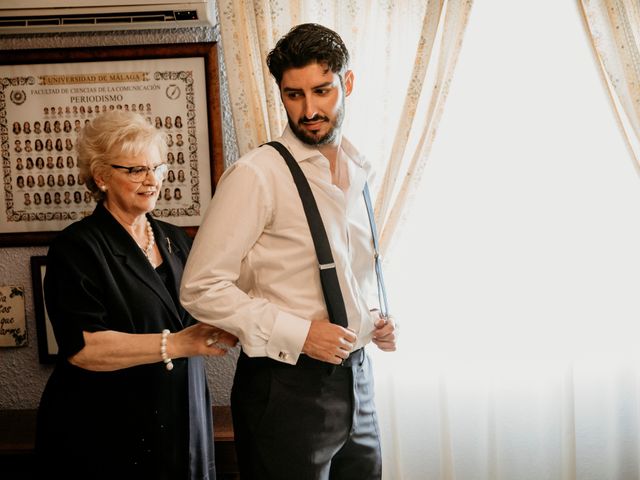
(200, 339)
(110, 350)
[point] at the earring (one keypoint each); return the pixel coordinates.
(103, 188)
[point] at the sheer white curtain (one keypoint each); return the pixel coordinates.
(517, 272)
(403, 55)
(250, 29)
(614, 27)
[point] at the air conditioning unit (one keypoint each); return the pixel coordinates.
(44, 16)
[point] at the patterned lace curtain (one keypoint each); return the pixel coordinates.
(403, 55)
(614, 27)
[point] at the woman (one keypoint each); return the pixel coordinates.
(128, 397)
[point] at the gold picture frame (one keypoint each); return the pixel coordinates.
(47, 95)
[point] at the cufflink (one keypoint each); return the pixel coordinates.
(283, 356)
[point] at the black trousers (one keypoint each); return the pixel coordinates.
(310, 421)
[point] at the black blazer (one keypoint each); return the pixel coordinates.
(137, 422)
(99, 279)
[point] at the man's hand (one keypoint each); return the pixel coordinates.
(385, 334)
(328, 342)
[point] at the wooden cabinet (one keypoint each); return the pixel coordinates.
(17, 436)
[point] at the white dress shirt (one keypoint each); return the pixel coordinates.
(253, 269)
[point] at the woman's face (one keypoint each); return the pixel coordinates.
(126, 197)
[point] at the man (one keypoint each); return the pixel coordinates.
(302, 396)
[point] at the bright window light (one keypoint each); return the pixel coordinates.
(524, 240)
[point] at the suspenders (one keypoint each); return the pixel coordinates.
(328, 276)
(382, 291)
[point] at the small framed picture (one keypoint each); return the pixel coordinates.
(13, 332)
(47, 346)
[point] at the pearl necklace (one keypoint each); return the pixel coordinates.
(148, 251)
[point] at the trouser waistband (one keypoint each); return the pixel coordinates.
(355, 358)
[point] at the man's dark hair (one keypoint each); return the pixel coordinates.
(308, 43)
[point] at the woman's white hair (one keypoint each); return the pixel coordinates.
(110, 136)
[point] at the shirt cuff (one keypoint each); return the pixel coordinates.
(287, 337)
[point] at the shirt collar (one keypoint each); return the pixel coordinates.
(302, 152)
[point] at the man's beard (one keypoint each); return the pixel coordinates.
(310, 139)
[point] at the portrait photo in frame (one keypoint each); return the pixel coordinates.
(47, 345)
(46, 96)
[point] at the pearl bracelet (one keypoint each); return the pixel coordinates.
(163, 350)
